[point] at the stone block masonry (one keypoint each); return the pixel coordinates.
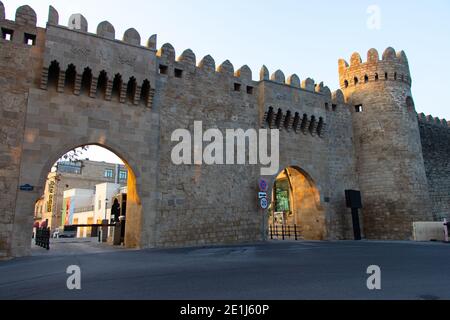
(63, 87)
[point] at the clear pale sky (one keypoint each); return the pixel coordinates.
(296, 36)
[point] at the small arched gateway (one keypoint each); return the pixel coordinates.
(296, 202)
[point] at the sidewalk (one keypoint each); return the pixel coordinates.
(67, 247)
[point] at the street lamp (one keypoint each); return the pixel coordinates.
(106, 208)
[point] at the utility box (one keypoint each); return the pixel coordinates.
(429, 231)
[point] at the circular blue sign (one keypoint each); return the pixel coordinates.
(264, 203)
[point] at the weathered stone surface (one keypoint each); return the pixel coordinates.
(106, 30)
(188, 57)
(208, 64)
(53, 16)
(25, 15)
(294, 81)
(244, 73)
(264, 73)
(390, 161)
(167, 52)
(379, 151)
(309, 85)
(131, 36)
(278, 76)
(226, 67)
(2, 11)
(435, 139)
(78, 22)
(152, 42)
(373, 56)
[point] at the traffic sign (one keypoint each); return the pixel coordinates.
(263, 185)
(264, 203)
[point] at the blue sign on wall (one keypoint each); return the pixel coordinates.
(26, 187)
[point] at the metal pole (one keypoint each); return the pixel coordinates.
(106, 208)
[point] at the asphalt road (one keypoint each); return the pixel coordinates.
(274, 270)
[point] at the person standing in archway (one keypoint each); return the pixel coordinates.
(115, 211)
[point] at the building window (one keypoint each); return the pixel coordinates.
(163, 69)
(359, 108)
(30, 39)
(109, 173)
(7, 34)
(69, 167)
(237, 87)
(178, 73)
(249, 90)
(123, 175)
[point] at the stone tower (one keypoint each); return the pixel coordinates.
(390, 163)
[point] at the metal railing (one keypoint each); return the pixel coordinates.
(285, 232)
(43, 238)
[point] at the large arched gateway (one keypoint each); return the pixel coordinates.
(133, 205)
(42, 163)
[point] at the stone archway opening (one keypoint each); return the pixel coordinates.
(83, 189)
(296, 206)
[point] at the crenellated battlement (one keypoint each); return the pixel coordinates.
(105, 30)
(126, 57)
(26, 16)
(393, 66)
(172, 66)
(433, 121)
(294, 81)
(243, 76)
(22, 30)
